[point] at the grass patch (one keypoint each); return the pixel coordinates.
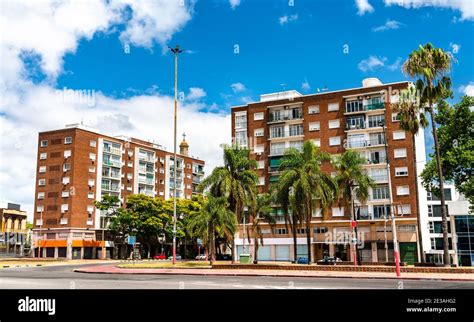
(167, 264)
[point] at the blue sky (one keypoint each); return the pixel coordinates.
(235, 51)
(308, 48)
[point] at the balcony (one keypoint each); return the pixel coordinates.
(145, 169)
(111, 175)
(147, 158)
(285, 115)
(146, 181)
(377, 161)
(112, 188)
(365, 143)
(113, 163)
(379, 178)
(352, 109)
(147, 192)
(112, 150)
(196, 179)
(286, 134)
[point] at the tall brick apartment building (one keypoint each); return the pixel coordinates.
(78, 165)
(336, 121)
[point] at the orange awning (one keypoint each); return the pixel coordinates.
(75, 243)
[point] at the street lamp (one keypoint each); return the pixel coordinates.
(176, 52)
(396, 253)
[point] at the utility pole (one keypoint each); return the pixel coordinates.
(176, 52)
(396, 253)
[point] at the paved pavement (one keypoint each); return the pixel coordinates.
(64, 277)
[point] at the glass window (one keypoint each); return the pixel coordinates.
(376, 120)
(258, 116)
(241, 121)
(296, 129)
(334, 124)
(277, 132)
(380, 192)
(400, 153)
(68, 140)
(241, 138)
(399, 135)
(336, 140)
(354, 106)
(313, 109)
(355, 122)
(333, 107)
(314, 126)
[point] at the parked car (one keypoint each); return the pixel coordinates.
(302, 260)
(224, 257)
(330, 260)
(160, 256)
(201, 257)
(178, 257)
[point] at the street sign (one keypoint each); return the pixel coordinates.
(131, 240)
(199, 242)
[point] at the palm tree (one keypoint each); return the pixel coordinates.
(412, 119)
(431, 65)
(352, 181)
(261, 212)
(235, 181)
(213, 220)
(306, 185)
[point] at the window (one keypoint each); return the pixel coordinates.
(129, 176)
(317, 213)
(241, 138)
(334, 124)
(90, 208)
(261, 164)
(90, 195)
(91, 169)
(93, 143)
(313, 109)
(66, 167)
(355, 122)
(320, 230)
(68, 140)
(298, 145)
(40, 195)
(43, 156)
(398, 135)
(403, 190)
(64, 207)
(40, 208)
(380, 192)
(333, 107)
(92, 156)
(258, 132)
(277, 148)
(376, 120)
(280, 231)
(91, 182)
(381, 211)
(314, 126)
(259, 148)
(435, 210)
(258, 116)
(404, 209)
(337, 211)
(400, 153)
(300, 231)
(447, 195)
(395, 117)
(162, 170)
(296, 129)
(277, 132)
(65, 194)
(335, 140)
(241, 121)
(261, 181)
(67, 153)
(354, 106)
(65, 180)
(42, 169)
(401, 172)
(41, 182)
(317, 142)
(407, 228)
(44, 143)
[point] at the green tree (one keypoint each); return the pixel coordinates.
(456, 142)
(304, 186)
(214, 219)
(260, 209)
(431, 65)
(352, 181)
(235, 181)
(411, 119)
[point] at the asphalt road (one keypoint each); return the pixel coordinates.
(63, 277)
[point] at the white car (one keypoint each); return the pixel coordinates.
(201, 257)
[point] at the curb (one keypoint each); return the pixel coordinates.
(278, 275)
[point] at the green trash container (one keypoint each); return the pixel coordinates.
(245, 258)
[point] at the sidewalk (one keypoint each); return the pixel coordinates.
(38, 262)
(111, 269)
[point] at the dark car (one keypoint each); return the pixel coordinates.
(224, 257)
(302, 260)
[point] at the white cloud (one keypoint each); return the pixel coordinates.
(286, 19)
(50, 29)
(467, 89)
(397, 64)
(371, 63)
(195, 93)
(466, 7)
(390, 24)
(305, 86)
(238, 87)
(234, 3)
(364, 7)
(454, 48)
